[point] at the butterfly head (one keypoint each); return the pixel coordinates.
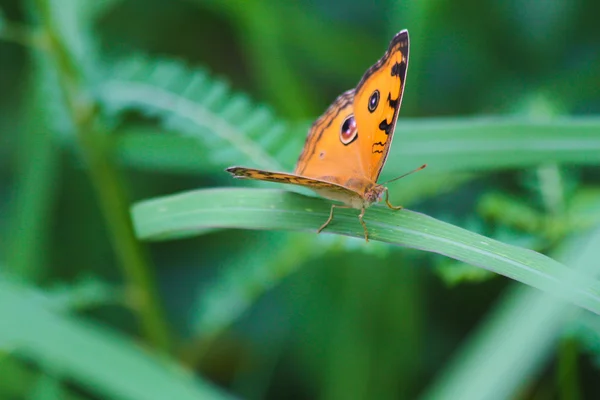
(374, 194)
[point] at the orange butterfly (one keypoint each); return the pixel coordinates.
(347, 146)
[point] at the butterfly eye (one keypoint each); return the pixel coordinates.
(348, 131)
(374, 101)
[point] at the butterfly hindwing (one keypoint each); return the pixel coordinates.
(325, 156)
(282, 177)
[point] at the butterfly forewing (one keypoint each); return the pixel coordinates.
(350, 142)
(377, 103)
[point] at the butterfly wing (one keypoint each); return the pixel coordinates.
(326, 189)
(349, 143)
(347, 146)
(377, 103)
(331, 152)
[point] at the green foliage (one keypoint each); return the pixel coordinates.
(67, 346)
(194, 103)
(132, 268)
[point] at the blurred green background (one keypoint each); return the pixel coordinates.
(107, 103)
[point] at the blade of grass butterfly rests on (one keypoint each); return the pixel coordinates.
(187, 213)
(89, 354)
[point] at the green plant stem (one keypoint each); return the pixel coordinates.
(16, 33)
(107, 182)
(29, 216)
(567, 372)
(17, 380)
(37, 170)
(419, 17)
(264, 42)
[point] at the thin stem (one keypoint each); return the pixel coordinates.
(110, 189)
(35, 194)
(567, 374)
(21, 34)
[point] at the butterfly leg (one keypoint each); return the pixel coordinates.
(387, 201)
(330, 216)
(362, 222)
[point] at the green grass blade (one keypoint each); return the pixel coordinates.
(524, 326)
(473, 144)
(89, 354)
(188, 213)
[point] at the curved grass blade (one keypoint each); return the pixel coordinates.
(189, 213)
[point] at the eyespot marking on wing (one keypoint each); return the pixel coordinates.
(373, 101)
(348, 130)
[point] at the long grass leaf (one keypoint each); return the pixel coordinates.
(188, 213)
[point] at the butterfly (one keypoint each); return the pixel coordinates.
(347, 146)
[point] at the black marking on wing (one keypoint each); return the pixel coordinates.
(393, 103)
(399, 69)
(374, 150)
(387, 127)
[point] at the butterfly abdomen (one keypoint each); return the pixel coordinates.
(347, 197)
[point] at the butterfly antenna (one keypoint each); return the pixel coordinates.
(406, 174)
